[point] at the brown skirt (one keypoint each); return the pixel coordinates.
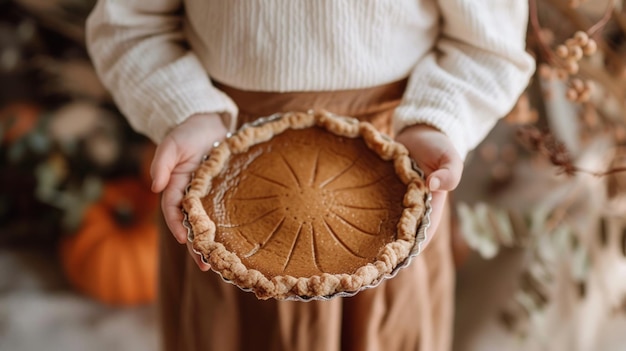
(412, 311)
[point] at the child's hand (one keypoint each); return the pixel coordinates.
(437, 157)
(176, 157)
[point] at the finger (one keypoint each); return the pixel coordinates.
(447, 175)
(437, 204)
(170, 205)
(196, 258)
(163, 163)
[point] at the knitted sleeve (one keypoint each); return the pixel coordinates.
(140, 53)
(474, 74)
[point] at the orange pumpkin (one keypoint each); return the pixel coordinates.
(113, 256)
(20, 118)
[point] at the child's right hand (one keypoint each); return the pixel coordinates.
(176, 157)
(436, 156)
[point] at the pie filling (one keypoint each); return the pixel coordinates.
(304, 203)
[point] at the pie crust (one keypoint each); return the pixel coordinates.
(307, 206)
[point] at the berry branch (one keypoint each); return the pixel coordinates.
(563, 62)
(546, 144)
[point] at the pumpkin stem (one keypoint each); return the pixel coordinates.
(124, 214)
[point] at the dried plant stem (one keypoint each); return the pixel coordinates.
(579, 21)
(536, 30)
(560, 212)
(572, 169)
(604, 20)
(605, 173)
(546, 144)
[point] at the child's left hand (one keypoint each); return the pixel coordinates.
(176, 157)
(434, 153)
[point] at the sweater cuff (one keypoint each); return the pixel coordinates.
(176, 92)
(176, 106)
(408, 115)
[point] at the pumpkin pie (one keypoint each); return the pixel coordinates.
(307, 206)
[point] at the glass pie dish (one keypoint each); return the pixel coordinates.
(303, 206)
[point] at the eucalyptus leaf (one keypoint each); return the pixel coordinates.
(525, 301)
(17, 151)
(538, 218)
(485, 228)
(562, 237)
(70, 200)
(544, 249)
(477, 230)
(580, 265)
(502, 226)
(488, 247)
(540, 272)
(39, 142)
(69, 147)
(47, 182)
(75, 204)
(92, 188)
(72, 219)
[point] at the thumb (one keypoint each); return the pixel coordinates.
(163, 163)
(447, 175)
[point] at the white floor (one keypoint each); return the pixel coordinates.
(39, 312)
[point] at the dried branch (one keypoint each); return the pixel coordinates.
(546, 144)
(604, 20)
(562, 62)
(582, 23)
(536, 31)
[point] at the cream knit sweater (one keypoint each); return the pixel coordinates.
(465, 58)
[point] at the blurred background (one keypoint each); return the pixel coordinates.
(78, 223)
(540, 239)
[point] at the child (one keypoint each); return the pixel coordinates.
(436, 73)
